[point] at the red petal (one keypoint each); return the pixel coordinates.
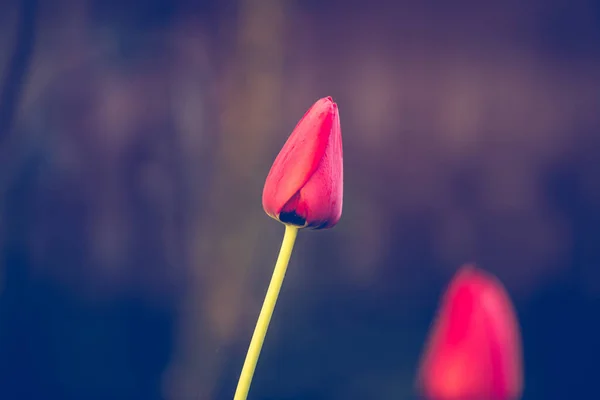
(321, 198)
(300, 156)
(474, 348)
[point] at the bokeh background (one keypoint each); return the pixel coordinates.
(134, 142)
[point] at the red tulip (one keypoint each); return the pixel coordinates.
(474, 351)
(305, 184)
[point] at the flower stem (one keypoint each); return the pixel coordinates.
(258, 338)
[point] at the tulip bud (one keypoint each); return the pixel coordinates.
(474, 349)
(305, 184)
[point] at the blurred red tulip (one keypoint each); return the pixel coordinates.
(474, 349)
(305, 184)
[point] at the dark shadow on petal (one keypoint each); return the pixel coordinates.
(290, 217)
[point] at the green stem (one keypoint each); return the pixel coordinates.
(258, 338)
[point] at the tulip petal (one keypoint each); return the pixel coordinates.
(326, 184)
(473, 351)
(303, 156)
(504, 341)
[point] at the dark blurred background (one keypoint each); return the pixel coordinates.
(135, 137)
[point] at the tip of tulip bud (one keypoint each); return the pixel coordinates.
(471, 270)
(468, 269)
(329, 99)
